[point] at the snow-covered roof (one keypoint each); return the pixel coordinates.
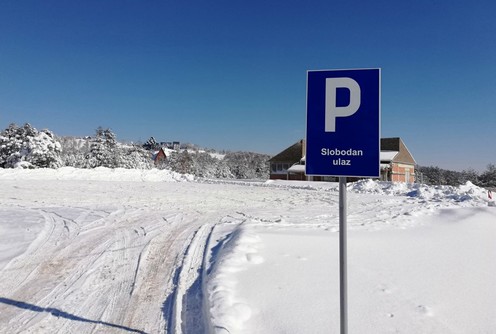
(388, 155)
(168, 151)
(297, 169)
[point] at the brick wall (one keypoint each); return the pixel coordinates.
(403, 173)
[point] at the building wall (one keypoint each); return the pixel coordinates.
(403, 165)
(399, 173)
(403, 173)
(297, 176)
(278, 176)
(279, 170)
(404, 155)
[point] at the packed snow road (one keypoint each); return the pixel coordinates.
(91, 256)
(107, 257)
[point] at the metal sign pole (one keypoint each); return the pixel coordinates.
(343, 140)
(343, 274)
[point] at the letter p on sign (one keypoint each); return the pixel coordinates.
(331, 109)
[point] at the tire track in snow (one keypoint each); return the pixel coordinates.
(155, 279)
(33, 257)
(143, 241)
(190, 310)
(188, 302)
(119, 304)
(75, 265)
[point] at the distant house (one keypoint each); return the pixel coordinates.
(397, 163)
(159, 156)
(282, 162)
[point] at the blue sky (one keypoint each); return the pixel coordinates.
(232, 74)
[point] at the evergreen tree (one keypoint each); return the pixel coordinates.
(469, 175)
(488, 177)
(25, 146)
(151, 144)
(103, 149)
(134, 157)
(181, 162)
(205, 165)
(222, 170)
(45, 150)
(248, 165)
(438, 176)
(75, 151)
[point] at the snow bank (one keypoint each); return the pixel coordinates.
(228, 311)
(418, 280)
(95, 174)
(277, 278)
(467, 192)
(463, 193)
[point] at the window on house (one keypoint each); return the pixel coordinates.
(279, 167)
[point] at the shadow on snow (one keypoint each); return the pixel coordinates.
(62, 314)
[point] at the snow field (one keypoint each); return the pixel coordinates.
(399, 276)
(118, 251)
(94, 174)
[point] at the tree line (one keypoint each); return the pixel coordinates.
(437, 176)
(26, 147)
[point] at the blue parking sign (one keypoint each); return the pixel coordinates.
(343, 123)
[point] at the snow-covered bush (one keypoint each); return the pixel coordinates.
(237, 165)
(134, 157)
(248, 165)
(74, 151)
(103, 150)
(27, 147)
(180, 162)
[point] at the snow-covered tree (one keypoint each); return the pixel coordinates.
(205, 165)
(488, 177)
(27, 147)
(103, 149)
(439, 176)
(45, 150)
(181, 162)
(75, 151)
(469, 175)
(134, 157)
(31, 148)
(151, 144)
(248, 165)
(222, 170)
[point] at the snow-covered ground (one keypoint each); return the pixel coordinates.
(129, 251)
